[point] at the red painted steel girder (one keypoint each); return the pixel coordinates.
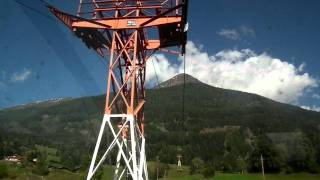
(131, 31)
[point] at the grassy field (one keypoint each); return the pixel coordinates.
(302, 176)
(173, 174)
(65, 175)
(19, 173)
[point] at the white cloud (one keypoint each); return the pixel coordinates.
(247, 31)
(229, 34)
(312, 108)
(316, 96)
(158, 66)
(242, 70)
(21, 76)
(238, 33)
(302, 67)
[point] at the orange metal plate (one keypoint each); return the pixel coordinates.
(126, 23)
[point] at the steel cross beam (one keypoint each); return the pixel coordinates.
(128, 56)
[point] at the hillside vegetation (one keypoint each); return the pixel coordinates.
(222, 130)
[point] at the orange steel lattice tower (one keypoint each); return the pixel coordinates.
(131, 31)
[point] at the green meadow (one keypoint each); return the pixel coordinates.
(24, 173)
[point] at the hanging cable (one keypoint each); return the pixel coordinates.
(35, 10)
(184, 88)
(44, 2)
(155, 71)
(102, 60)
(156, 98)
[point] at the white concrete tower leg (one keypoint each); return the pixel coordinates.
(115, 177)
(145, 168)
(133, 147)
(142, 158)
(96, 149)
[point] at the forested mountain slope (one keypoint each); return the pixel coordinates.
(220, 125)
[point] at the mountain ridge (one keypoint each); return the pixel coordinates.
(179, 79)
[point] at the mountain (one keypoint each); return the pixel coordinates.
(179, 79)
(216, 122)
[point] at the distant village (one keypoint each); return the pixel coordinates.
(17, 159)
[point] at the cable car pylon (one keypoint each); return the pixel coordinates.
(131, 31)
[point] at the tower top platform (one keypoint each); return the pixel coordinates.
(163, 20)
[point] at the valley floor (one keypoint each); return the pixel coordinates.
(25, 174)
(63, 175)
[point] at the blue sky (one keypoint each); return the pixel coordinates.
(40, 59)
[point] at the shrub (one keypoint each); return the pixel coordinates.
(209, 170)
(197, 165)
(159, 170)
(41, 167)
(3, 170)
